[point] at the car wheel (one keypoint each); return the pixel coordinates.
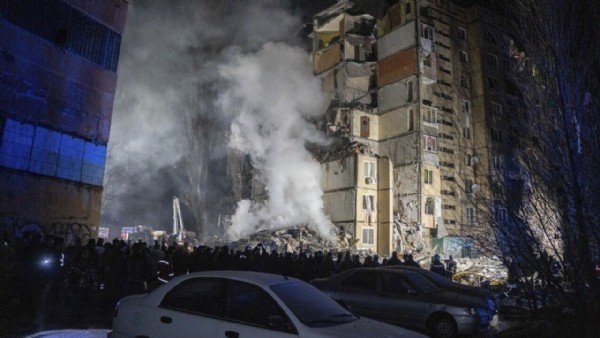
(443, 326)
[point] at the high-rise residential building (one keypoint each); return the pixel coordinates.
(58, 75)
(420, 84)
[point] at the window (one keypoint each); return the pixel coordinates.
(463, 56)
(470, 216)
(67, 27)
(429, 206)
(369, 169)
(467, 133)
(408, 8)
(468, 186)
(466, 107)
(368, 202)
(409, 94)
(448, 207)
(462, 33)
(411, 119)
(447, 164)
(364, 280)
(430, 143)
(496, 135)
(198, 295)
(364, 126)
(243, 296)
(492, 60)
(427, 32)
(368, 236)
(430, 115)
(490, 37)
(498, 161)
(468, 159)
(496, 109)
(428, 176)
(52, 153)
(500, 214)
(394, 284)
(427, 60)
(464, 81)
(492, 83)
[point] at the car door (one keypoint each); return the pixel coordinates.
(251, 312)
(193, 308)
(358, 293)
(400, 302)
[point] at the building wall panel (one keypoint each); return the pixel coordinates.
(402, 149)
(340, 205)
(396, 40)
(396, 67)
(326, 59)
(46, 201)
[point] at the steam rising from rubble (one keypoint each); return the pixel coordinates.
(271, 92)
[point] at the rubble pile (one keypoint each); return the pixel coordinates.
(288, 240)
(473, 270)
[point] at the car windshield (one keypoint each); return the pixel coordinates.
(312, 307)
(421, 282)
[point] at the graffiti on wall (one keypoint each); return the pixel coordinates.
(14, 226)
(71, 231)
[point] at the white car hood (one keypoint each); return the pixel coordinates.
(365, 327)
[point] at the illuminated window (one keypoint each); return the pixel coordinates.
(430, 143)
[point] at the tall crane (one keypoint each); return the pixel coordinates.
(178, 230)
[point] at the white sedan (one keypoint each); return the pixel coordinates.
(241, 304)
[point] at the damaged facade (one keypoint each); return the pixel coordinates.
(416, 83)
(57, 85)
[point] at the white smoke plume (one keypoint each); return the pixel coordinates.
(272, 92)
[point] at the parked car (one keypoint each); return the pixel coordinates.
(448, 285)
(407, 298)
(241, 304)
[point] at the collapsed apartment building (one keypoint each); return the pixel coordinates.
(417, 106)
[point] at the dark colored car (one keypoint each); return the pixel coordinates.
(407, 298)
(449, 285)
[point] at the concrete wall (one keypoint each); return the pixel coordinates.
(396, 67)
(396, 40)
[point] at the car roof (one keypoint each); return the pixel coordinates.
(259, 278)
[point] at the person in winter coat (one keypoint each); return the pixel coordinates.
(438, 266)
(450, 267)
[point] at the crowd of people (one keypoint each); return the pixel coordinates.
(118, 268)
